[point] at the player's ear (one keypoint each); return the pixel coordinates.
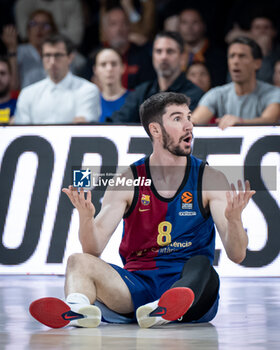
(155, 130)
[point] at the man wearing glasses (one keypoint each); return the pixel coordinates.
(61, 98)
(26, 58)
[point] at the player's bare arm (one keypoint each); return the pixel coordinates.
(94, 233)
(226, 206)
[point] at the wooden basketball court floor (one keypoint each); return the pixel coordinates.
(248, 318)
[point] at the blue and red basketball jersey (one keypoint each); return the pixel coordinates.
(160, 232)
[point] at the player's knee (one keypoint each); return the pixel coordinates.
(83, 263)
(76, 261)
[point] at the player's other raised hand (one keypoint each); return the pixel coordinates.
(237, 201)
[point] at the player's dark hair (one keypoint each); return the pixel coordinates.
(172, 35)
(152, 109)
(255, 48)
(59, 38)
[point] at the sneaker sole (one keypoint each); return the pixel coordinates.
(143, 319)
(92, 319)
(54, 313)
(175, 301)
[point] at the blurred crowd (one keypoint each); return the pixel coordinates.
(86, 61)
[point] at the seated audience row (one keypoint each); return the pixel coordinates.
(64, 98)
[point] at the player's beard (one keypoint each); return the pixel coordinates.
(169, 145)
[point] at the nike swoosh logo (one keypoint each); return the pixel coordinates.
(159, 311)
(143, 209)
(71, 315)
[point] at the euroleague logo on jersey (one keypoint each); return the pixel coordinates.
(187, 200)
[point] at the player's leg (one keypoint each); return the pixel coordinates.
(199, 275)
(194, 292)
(98, 280)
(88, 278)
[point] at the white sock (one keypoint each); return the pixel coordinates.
(77, 298)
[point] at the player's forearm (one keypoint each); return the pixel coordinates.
(236, 241)
(88, 235)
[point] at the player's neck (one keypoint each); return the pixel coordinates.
(167, 173)
(166, 159)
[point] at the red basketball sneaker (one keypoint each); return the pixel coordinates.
(172, 305)
(55, 313)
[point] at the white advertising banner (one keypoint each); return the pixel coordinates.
(39, 228)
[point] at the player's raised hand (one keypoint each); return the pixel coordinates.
(80, 201)
(236, 202)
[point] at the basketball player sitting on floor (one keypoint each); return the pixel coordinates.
(168, 241)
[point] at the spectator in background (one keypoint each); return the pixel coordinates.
(168, 57)
(61, 97)
(245, 100)
(142, 20)
(7, 104)
(276, 74)
(137, 59)
(199, 74)
(171, 23)
(198, 48)
(25, 59)
(67, 15)
(108, 69)
(263, 31)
